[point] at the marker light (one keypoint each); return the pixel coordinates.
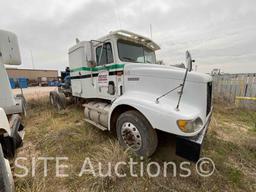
(190, 126)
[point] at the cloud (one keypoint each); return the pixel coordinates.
(218, 33)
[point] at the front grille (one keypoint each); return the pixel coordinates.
(209, 98)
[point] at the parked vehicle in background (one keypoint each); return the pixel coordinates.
(11, 137)
(11, 109)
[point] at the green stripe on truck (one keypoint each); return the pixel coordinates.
(98, 68)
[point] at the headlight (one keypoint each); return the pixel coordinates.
(190, 126)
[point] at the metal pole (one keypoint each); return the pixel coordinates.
(32, 59)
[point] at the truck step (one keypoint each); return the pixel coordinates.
(96, 124)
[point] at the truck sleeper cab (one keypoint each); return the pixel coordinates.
(125, 91)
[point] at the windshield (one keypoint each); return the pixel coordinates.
(133, 52)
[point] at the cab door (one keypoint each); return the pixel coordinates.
(106, 79)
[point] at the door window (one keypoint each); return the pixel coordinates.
(105, 55)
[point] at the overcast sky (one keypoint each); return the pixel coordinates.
(219, 33)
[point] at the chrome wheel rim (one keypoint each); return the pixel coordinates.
(131, 136)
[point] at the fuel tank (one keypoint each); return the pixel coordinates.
(97, 112)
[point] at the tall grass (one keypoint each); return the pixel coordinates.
(230, 143)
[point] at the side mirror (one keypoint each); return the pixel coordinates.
(9, 48)
(90, 54)
(189, 61)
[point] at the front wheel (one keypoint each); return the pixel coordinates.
(135, 132)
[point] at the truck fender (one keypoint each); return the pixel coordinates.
(4, 123)
(142, 105)
(159, 116)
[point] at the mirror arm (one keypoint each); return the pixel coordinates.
(182, 88)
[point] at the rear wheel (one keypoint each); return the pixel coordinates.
(6, 181)
(58, 100)
(135, 132)
(52, 97)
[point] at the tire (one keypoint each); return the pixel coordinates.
(135, 132)
(61, 101)
(52, 97)
(58, 100)
(6, 181)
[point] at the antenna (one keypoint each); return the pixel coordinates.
(150, 29)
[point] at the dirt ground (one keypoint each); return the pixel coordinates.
(34, 92)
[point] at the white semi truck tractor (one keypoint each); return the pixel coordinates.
(124, 90)
(11, 109)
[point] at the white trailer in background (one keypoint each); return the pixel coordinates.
(11, 129)
(125, 91)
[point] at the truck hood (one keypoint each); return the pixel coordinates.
(163, 71)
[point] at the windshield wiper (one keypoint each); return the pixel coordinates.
(129, 59)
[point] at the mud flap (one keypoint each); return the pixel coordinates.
(190, 147)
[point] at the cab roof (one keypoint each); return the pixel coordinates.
(130, 36)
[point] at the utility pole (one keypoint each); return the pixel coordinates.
(32, 59)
